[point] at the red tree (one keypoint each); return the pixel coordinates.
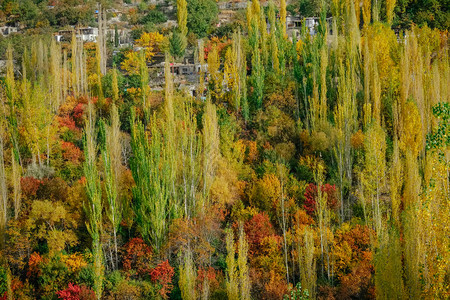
(137, 256)
(311, 194)
(76, 292)
(163, 274)
(256, 230)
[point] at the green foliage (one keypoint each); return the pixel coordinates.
(201, 15)
(151, 173)
(177, 44)
(154, 16)
(297, 293)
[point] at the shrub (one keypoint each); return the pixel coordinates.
(76, 292)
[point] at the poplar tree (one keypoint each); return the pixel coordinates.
(191, 166)
(182, 16)
(171, 139)
(274, 60)
(323, 219)
(242, 263)
(201, 59)
(74, 61)
(283, 16)
(307, 260)
(111, 151)
(3, 183)
(345, 123)
(215, 76)
(16, 174)
(232, 284)
(151, 173)
(211, 143)
(101, 39)
(373, 176)
(98, 56)
(115, 85)
(390, 5)
(145, 88)
(55, 71)
(188, 276)
(94, 206)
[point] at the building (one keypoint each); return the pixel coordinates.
(7, 30)
(294, 25)
(86, 34)
(123, 35)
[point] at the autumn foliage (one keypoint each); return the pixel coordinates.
(163, 274)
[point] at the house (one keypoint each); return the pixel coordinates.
(123, 35)
(86, 34)
(7, 30)
(294, 25)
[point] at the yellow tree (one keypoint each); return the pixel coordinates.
(231, 279)
(244, 278)
(283, 16)
(150, 43)
(182, 16)
(215, 76)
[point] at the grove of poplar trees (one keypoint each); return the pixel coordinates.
(311, 166)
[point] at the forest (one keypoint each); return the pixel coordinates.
(302, 167)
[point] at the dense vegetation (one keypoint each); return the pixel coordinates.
(301, 169)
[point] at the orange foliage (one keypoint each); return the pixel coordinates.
(353, 264)
(198, 232)
(75, 262)
(163, 274)
(357, 140)
(29, 186)
(258, 228)
(208, 274)
(137, 257)
(70, 152)
(33, 264)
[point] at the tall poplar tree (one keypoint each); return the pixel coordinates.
(182, 16)
(94, 207)
(151, 172)
(111, 151)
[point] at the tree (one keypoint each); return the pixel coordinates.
(242, 264)
(150, 43)
(53, 223)
(116, 36)
(307, 260)
(94, 209)
(150, 170)
(215, 80)
(188, 275)
(232, 283)
(182, 16)
(283, 16)
(177, 44)
(111, 152)
(3, 186)
(211, 143)
(201, 14)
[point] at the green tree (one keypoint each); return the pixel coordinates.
(150, 170)
(177, 44)
(94, 208)
(201, 14)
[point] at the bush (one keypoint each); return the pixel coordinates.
(154, 17)
(76, 292)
